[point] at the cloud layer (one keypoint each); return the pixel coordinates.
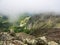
(13, 7)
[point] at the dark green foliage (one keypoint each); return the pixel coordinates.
(4, 24)
(18, 29)
(31, 23)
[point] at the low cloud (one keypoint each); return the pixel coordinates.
(12, 8)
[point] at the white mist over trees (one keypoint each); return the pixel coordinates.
(12, 8)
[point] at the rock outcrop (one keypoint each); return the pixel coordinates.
(24, 39)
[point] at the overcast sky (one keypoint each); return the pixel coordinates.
(13, 7)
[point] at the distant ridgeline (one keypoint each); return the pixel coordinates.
(3, 17)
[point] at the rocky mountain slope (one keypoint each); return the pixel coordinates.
(45, 25)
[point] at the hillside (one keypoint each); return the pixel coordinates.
(45, 25)
(37, 29)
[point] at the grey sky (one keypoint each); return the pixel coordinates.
(13, 7)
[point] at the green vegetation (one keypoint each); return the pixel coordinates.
(19, 26)
(28, 29)
(27, 23)
(4, 24)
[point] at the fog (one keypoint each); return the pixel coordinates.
(12, 8)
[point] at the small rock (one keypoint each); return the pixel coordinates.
(52, 43)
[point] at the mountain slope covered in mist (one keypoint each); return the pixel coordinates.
(45, 24)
